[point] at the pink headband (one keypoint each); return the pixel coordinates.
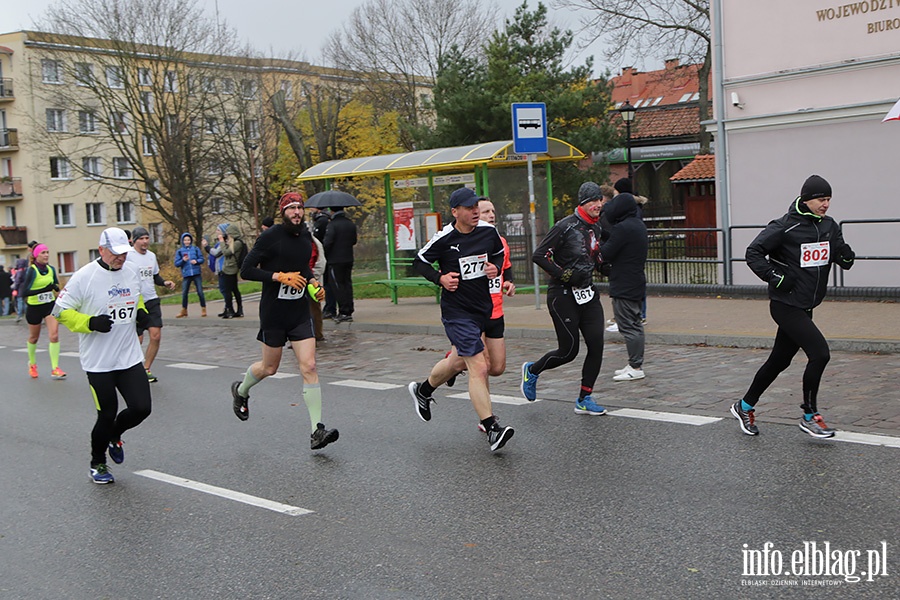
(38, 249)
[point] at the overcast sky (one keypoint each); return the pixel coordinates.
(301, 26)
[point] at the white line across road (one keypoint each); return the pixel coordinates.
(866, 438)
(38, 350)
(283, 376)
(71, 354)
(192, 366)
(652, 415)
(517, 400)
(367, 385)
(286, 509)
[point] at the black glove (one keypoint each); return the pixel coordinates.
(100, 323)
(142, 319)
(566, 275)
(847, 254)
(782, 283)
(605, 269)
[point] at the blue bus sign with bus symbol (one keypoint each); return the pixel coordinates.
(529, 127)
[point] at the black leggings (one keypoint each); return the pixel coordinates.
(132, 383)
(232, 291)
(569, 318)
(795, 330)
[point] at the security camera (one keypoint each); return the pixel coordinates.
(735, 100)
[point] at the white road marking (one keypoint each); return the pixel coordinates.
(38, 350)
(366, 385)
(517, 400)
(286, 509)
(72, 354)
(282, 376)
(652, 415)
(866, 438)
(192, 366)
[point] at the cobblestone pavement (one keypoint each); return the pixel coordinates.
(858, 393)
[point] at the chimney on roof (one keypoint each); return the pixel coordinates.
(625, 78)
(671, 63)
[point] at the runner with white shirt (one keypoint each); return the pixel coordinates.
(144, 260)
(101, 303)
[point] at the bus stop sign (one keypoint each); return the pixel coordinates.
(529, 127)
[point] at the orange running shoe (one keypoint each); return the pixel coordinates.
(58, 373)
(32, 370)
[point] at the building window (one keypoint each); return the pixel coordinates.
(93, 254)
(152, 190)
(147, 103)
(248, 89)
(148, 145)
(170, 84)
(121, 168)
(252, 129)
(63, 216)
(217, 205)
(288, 88)
(209, 84)
(156, 233)
(212, 125)
(56, 120)
(51, 71)
(227, 85)
(67, 262)
(231, 126)
(59, 167)
(145, 77)
(84, 74)
(114, 78)
(11, 216)
(215, 167)
(235, 205)
(87, 122)
(118, 122)
(91, 167)
(172, 125)
(193, 86)
(96, 213)
(124, 212)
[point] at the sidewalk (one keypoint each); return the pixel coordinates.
(737, 323)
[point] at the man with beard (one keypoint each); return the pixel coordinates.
(280, 260)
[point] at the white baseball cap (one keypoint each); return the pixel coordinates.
(115, 239)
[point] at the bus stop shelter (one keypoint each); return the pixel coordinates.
(439, 164)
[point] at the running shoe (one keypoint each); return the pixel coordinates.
(452, 381)
(498, 435)
(343, 319)
(816, 427)
(151, 377)
(747, 418)
(32, 370)
(630, 374)
(239, 403)
(614, 328)
(529, 382)
(587, 406)
(622, 370)
(422, 403)
(100, 474)
(57, 373)
(321, 437)
(117, 452)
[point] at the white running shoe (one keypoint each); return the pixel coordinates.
(620, 371)
(614, 328)
(630, 374)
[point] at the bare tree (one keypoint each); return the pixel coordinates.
(399, 46)
(153, 92)
(659, 28)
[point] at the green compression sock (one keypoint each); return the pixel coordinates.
(32, 351)
(249, 382)
(312, 395)
(53, 349)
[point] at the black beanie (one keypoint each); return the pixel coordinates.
(589, 191)
(139, 232)
(623, 186)
(814, 187)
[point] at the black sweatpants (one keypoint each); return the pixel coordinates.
(795, 330)
(342, 278)
(569, 318)
(132, 383)
(232, 293)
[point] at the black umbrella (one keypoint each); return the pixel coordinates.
(332, 199)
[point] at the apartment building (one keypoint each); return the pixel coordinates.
(81, 129)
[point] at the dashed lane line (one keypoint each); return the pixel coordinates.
(653, 415)
(516, 400)
(286, 509)
(367, 385)
(192, 366)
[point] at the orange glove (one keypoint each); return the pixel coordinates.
(294, 280)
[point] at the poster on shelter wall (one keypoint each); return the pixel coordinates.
(404, 226)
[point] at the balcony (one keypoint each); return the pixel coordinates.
(6, 90)
(9, 140)
(10, 188)
(14, 236)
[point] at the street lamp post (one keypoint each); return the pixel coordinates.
(627, 111)
(252, 148)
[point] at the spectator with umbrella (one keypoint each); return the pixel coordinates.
(340, 237)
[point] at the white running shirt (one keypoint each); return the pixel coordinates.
(93, 290)
(147, 266)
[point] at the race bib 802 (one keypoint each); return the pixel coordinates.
(815, 254)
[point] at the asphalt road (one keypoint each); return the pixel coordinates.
(573, 507)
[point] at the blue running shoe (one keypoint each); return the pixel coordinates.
(529, 382)
(587, 406)
(117, 452)
(100, 474)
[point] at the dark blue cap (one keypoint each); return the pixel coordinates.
(463, 197)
